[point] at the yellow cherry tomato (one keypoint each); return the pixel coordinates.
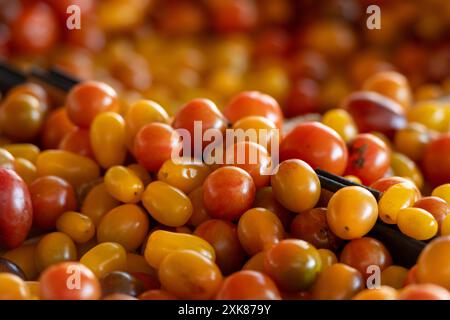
(97, 203)
(184, 174)
(25, 169)
(23, 257)
(431, 114)
(54, 247)
(6, 159)
(352, 212)
(12, 287)
(399, 196)
(161, 243)
(126, 224)
(77, 226)
(296, 185)
(342, 122)
(417, 223)
(107, 136)
(412, 140)
(394, 276)
(405, 167)
(443, 192)
(166, 204)
(327, 257)
(141, 172)
(105, 258)
(26, 151)
(75, 169)
(123, 184)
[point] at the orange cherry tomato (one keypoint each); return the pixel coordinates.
(433, 263)
(87, 99)
(77, 141)
(316, 144)
(248, 285)
(56, 126)
(60, 282)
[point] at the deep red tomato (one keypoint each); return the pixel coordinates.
(69, 281)
(316, 144)
(364, 252)
(436, 160)
(254, 103)
(369, 158)
(154, 144)
(248, 285)
(51, 196)
(202, 110)
(222, 235)
(16, 212)
(87, 99)
(78, 141)
(312, 226)
(228, 192)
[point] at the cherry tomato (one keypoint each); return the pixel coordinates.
(166, 204)
(26, 151)
(443, 192)
(199, 213)
(385, 183)
(352, 212)
(59, 282)
(97, 203)
(327, 257)
(56, 126)
(433, 264)
(293, 264)
(77, 226)
(425, 291)
(107, 136)
(397, 197)
(69, 166)
(412, 140)
(228, 192)
(87, 99)
(161, 243)
(21, 117)
(51, 197)
(189, 275)
(437, 167)
(104, 258)
(12, 287)
(381, 293)
(119, 282)
(123, 184)
(296, 185)
(434, 205)
(311, 226)
(77, 141)
(161, 139)
(6, 159)
(392, 85)
(258, 229)
(16, 211)
(402, 166)
(248, 285)
(341, 121)
(223, 236)
(365, 252)
(316, 144)
(24, 258)
(253, 103)
(126, 224)
(53, 248)
(369, 158)
(394, 276)
(266, 132)
(337, 282)
(265, 198)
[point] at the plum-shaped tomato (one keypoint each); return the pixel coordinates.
(16, 212)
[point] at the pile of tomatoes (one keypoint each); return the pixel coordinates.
(93, 204)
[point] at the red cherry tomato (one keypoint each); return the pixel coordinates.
(316, 144)
(369, 158)
(436, 160)
(87, 99)
(228, 192)
(69, 281)
(254, 103)
(248, 285)
(385, 183)
(16, 212)
(154, 144)
(51, 196)
(78, 141)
